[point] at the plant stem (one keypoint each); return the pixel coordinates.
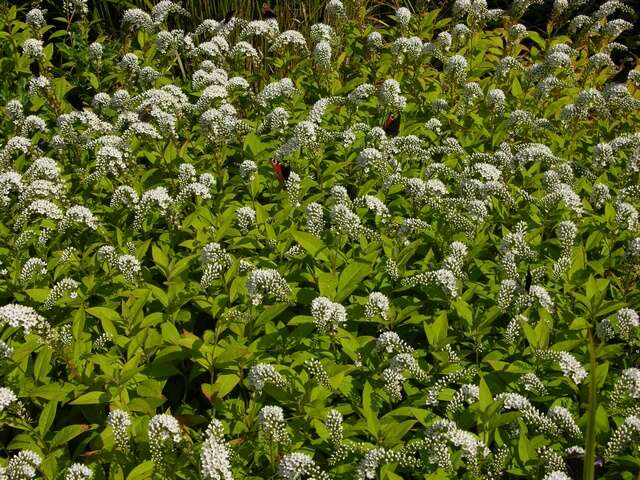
(590, 453)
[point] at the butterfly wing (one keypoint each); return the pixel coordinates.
(278, 169)
(527, 281)
(392, 125)
(267, 11)
(74, 97)
(35, 68)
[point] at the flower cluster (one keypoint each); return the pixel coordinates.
(327, 315)
(267, 281)
(263, 374)
(164, 433)
(120, 421)
(215, 454)
(215, 260)
(271, 421)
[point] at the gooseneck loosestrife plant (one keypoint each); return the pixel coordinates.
(407, 248)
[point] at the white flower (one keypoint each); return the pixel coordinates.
(322, 56)
(78, 215)
(456, 68)
(164, 432)
(7, 397)
(392, 343)
(627, 434)
(95, 52)
(267, 281)
(120, 421)
(16, 315)
(403, 17)
(22, 466)
(557, 475)
(389, 95)
(271, 421)
(377, 304)
(290, 38)
(33, 48)
(38, 85)
(327, 315)
(568, 364)
(298, 466)
(374, 41)
(263, 374)
(320, 32)
(35, 19)
(59, 289)
(246, 218)
(628, 322)
(77, 471)
(315, 218)
(215, 260)
(214, 461)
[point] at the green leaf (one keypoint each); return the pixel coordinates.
(47, 416)
(367, 410)
(49, 467)
(536, 37)
(463, 310)
(42, 365)
(351, 277)
(252, 145)
(602, 420)
(67, 433)
(529, 333)
(225, 383)
(170, 333)
(311, 244)
(486, 399)
(91, 398)
(38, 294)
(516, 89)
(107, 317)
(142, 471)
(601, 374)
(160, 258)
(326, 284)
(437, 331)
(523, 446)
(159, 294)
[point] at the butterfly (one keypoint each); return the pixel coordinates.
(35, 68)
(281, 171)
(267, 11)
(625, 64)
(77, 97)
(392, 125)
(145, 115)
(575, 464)
(527, 281)
(228, 16)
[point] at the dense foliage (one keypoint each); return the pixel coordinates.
(241, 252)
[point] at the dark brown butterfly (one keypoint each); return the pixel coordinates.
(575, 464)
(282, 171)
(626, 65)
(527, 281)
(145, 115)
(75, 98)
(267, 11)
(35, 68)
(228, 16)
(80, 96)
(392, 125)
